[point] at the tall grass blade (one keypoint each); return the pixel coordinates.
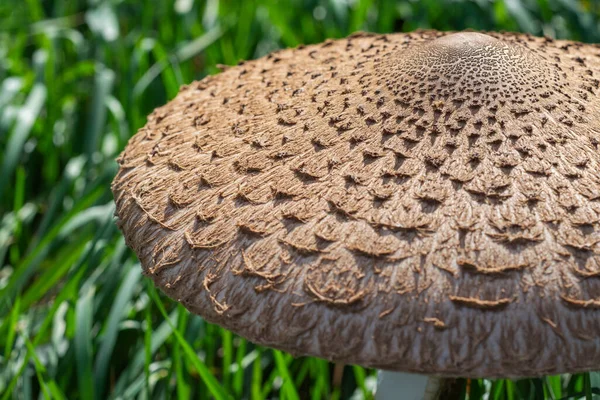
(184, 53)
(282, 368)
(27, 115)
(213, 385)
(83, 343)
(111, 329)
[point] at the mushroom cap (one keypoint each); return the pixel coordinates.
(425, 202)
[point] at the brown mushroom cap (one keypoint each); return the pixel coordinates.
(424, 202)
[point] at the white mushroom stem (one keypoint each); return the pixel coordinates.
(398, 385)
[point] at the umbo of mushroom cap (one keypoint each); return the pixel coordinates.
(422, 202)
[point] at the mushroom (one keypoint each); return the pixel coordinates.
(422, 202)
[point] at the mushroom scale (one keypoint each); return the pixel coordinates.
(425, 202)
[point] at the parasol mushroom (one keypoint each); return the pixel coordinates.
(423, 202)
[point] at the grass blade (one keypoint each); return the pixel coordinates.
(104, 80)
(184, 53)
(25, 120)
(183, 388)
(11, 328)
(49, 387)
(213, 385)
(112, 327)
(83, 343)
(288, 383)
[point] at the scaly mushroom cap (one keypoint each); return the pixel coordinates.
(425, 202)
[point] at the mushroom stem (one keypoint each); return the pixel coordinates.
(399, 385)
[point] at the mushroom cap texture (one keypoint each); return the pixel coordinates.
(425, 202)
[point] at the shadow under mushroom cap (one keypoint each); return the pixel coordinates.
(425, 202)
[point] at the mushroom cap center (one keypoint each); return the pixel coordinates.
(465, 43)
(469, 66)
(472, 55)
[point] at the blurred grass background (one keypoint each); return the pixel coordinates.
(77, 78)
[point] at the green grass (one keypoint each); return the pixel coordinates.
(77, 79)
